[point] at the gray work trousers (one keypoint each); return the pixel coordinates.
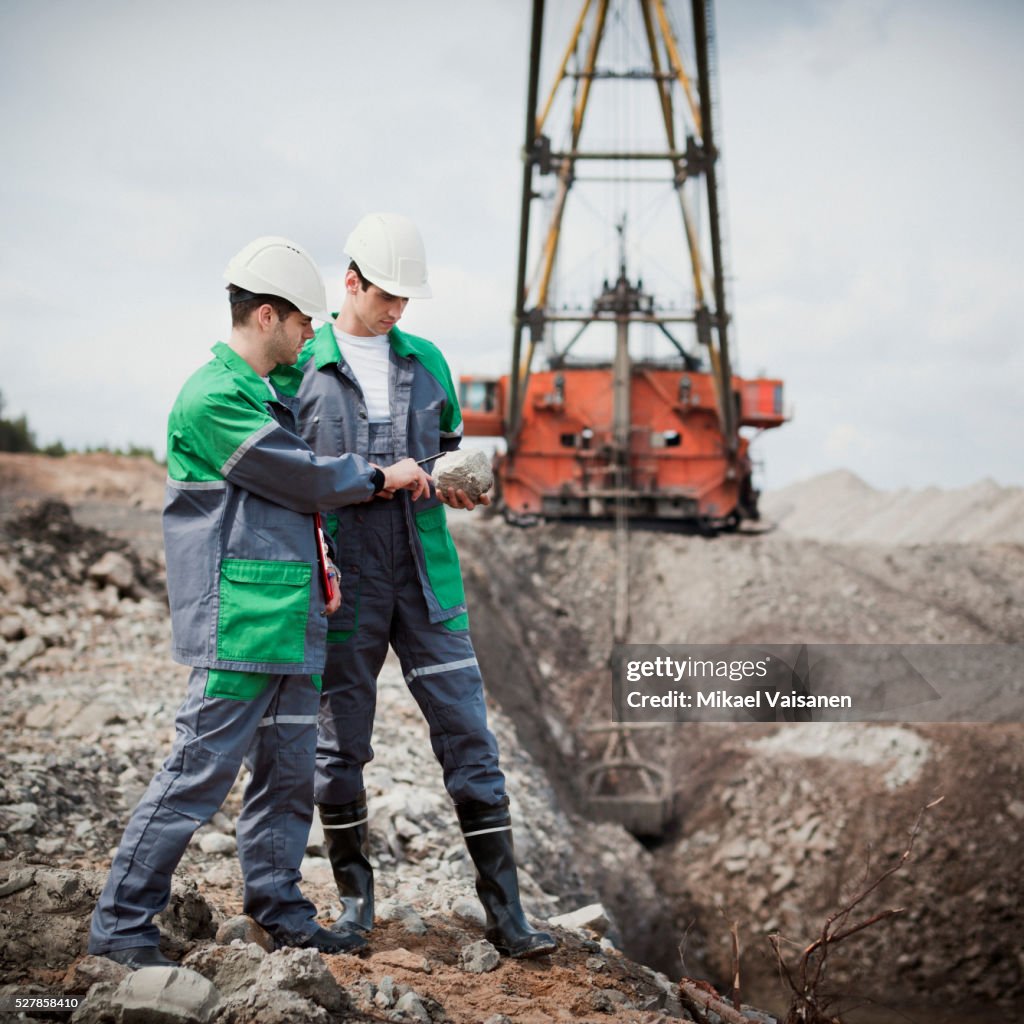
(439, 665)
(274, 735)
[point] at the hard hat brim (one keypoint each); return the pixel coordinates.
(423, 291)
(322, 315)
(408, 291)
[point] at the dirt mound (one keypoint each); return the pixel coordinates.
(841, 507)
(119, 495)
(80, 478)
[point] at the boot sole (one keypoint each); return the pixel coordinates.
(530, 953)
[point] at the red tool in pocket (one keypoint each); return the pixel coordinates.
(326, 578)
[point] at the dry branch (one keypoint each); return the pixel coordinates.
(734, 931)
(807, 1005)
(704, 997)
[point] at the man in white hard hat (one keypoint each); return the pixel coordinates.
(249, 585)
(374, 390)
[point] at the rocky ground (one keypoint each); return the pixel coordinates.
(88, 696)
(775, 825)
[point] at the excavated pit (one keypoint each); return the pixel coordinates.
(776, 825)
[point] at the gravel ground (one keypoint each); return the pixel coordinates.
(775, 825)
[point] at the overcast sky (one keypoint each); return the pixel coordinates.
(872, 155)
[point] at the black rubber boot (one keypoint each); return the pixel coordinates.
(135, 957)
(347, 841)
(487, 830)
(334, 940)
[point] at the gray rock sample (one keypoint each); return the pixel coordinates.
(466, 470)
(269, 1006)
(469, 910)
(24, 651)
(187, 917)
(384, 997)
(12, 628)
(98, 1007)
(410, 1007)
(61, 898)
(404, 914)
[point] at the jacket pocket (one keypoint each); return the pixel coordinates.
(231, 685)
(264, 606)
(440, 557)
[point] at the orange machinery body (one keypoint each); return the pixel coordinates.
(679, 466)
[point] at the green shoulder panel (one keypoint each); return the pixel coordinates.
(430, 357)
(220, 407)
(322, 348)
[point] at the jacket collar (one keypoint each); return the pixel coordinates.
(286, 378)
(323, 348)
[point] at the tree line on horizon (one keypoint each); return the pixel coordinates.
(17, 436)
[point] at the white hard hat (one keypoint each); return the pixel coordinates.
(389, 252)
(274, 266)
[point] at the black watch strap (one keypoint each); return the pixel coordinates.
(378, 480)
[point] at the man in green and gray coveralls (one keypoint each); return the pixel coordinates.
(247, 612)
(374, 390)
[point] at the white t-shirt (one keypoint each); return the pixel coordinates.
(370, 360)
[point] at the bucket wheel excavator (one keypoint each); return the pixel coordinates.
(622, 418)
(607, 412)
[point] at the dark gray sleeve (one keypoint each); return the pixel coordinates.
(279, 466)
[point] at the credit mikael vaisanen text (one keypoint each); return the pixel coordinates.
(654, 683)
(696, 673)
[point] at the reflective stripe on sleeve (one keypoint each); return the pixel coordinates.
(253, 438)
(197, 485)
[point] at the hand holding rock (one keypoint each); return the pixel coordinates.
(462, 477)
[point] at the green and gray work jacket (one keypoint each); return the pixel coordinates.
(425, 420)
(239, 531)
